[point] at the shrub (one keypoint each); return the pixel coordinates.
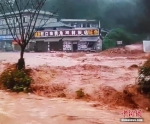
(144, 77)
(80, 93)
(16, 80)
(108, 43)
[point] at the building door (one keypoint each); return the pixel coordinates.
(75, 46)
(41, 46)
(56, 46)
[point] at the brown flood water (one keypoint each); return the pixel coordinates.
(74, 71)
(31, 109)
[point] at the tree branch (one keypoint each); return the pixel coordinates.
(6, 20)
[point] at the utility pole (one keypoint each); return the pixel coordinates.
(99, 27)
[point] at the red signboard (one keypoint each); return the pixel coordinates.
(72, 32)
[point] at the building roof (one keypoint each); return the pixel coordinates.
(77, 20)
(56, 25)
(94, 39)
(48, 25)
(29, 11)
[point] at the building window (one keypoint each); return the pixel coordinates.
(88, 25)
(78, 25)
(75, 25)
(4, 31)
(72, 24)
(3, 21)
(24, 19)
(17, 19)
(10, 21)
(94, 25)
(8, 32)
(14, 31)
(17, 31)
(0, 32)
(25, 30)
(0, 22)
(84, 25)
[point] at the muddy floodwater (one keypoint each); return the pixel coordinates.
(73, 71)
(31, 109)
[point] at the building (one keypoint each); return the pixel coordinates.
(64, 35)
(69, 35)
(70, 40)
(39, 45)
(5, 35)
(81, 23)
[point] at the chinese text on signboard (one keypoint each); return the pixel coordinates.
(73, 32)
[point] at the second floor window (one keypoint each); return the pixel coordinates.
(88, 25)
(84, 25)
(8, 32)
(10, 21)
(17, 19)
(78, 25)
(25, 30)
(24, 19)
(3, 22)
(17, 31)
(94, 25)
(4, 31)
(0, 32)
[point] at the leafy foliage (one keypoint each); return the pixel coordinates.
(144, 77)
(117, 35)
(16, 80)
(108, 43)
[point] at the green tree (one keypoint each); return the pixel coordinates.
(117, 35)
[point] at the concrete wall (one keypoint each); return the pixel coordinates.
(146, 46)
(99, 45)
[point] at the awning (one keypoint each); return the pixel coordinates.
(52, 39)
(34, 40)
(90, 39)
(47, 39)
(71, 39)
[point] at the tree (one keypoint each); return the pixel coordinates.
(115, 35)
(16, 9)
